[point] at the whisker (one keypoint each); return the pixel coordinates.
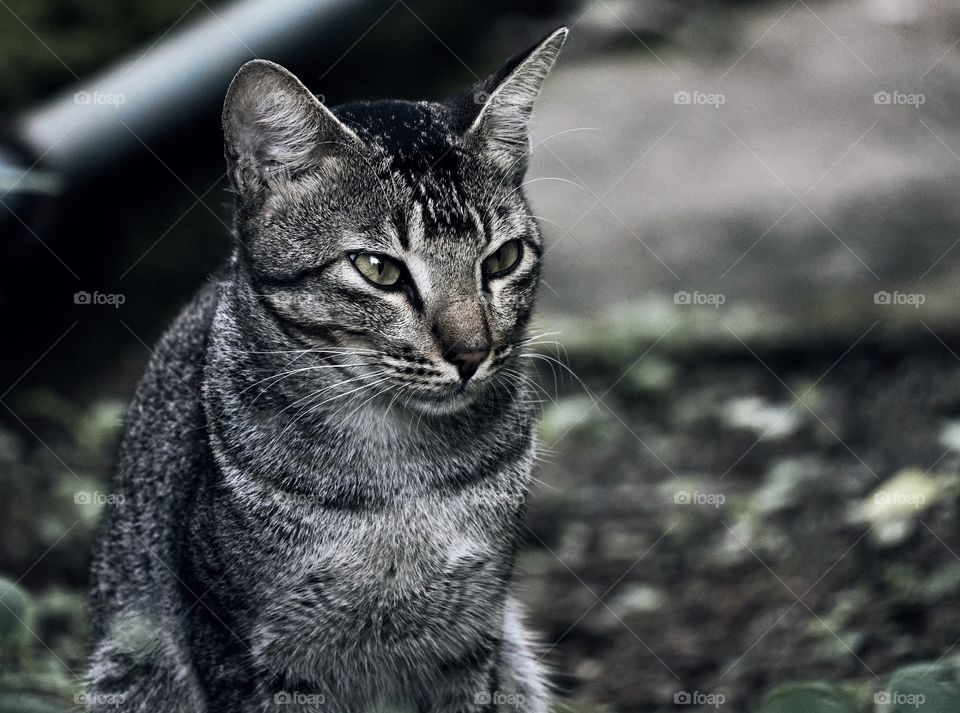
(546, 178)
(286, 374)
(543, 141)
(551, 360)
(318, 392)
(368, 400)
(311, 407)
(524, 378)
(313, 350)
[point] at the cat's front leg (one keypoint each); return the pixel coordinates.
(521, 682)
(139, 666)
(507, 679)
(464, 685)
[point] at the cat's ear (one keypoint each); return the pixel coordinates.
(506, 100)
(274, 128)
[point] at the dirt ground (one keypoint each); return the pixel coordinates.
(725, 524)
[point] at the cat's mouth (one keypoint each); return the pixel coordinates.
(447, 399)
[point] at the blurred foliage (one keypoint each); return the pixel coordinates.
(932, 687)
(808, 698)
(14, 627)
(43, 45)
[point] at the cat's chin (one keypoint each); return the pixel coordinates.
(445, 404)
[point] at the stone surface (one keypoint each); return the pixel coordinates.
(799, 196)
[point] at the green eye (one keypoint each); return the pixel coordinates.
(504, 259)
(379, 269)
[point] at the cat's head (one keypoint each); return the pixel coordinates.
(396, 232)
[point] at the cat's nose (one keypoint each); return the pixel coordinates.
(467, 360)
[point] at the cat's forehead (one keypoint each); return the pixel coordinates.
(417, 138)
(440, 225)
(431, 175)
(420, 189)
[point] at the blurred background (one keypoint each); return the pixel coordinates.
(748, 499)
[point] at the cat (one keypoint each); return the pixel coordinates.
(324, 467)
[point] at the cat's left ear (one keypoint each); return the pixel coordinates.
(275, 129)
(506, 100)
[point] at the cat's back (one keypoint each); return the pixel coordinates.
(162, 452)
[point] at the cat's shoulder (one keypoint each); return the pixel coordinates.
(174, 371)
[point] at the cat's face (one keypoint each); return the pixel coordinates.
(392, 236)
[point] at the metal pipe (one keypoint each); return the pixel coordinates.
(184, 76)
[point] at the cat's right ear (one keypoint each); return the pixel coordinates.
(275, 129)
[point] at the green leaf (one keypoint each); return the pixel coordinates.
(25, 703)
(14, 611)
(807, 698)
(927, 687)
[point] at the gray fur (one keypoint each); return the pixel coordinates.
(319, 513)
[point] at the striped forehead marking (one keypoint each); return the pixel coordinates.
(416, 231)
(478, 224)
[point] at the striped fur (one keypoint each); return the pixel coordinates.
(319, 513)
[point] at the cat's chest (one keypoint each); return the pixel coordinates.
(388, 585)
(397, 553)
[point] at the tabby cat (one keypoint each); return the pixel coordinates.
(324, 467)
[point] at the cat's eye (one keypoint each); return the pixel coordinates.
(378, 269)
(504, 259)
